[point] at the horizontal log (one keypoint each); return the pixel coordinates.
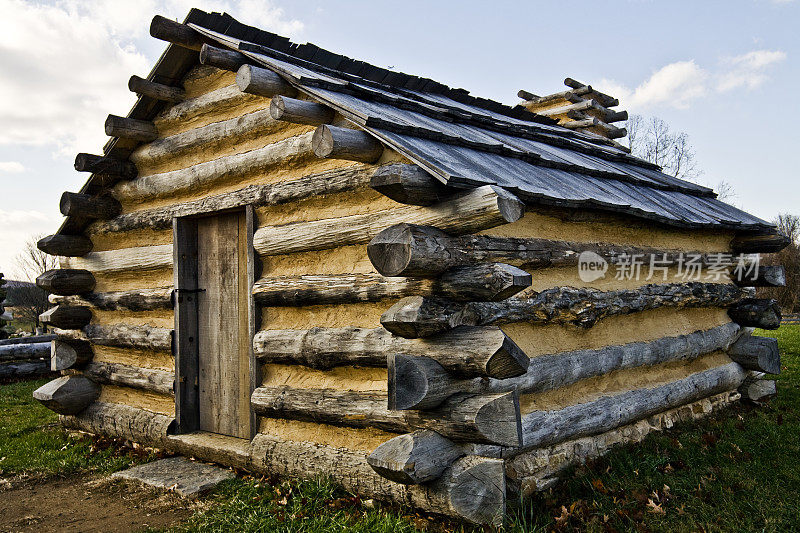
(757, 313)
(418, 316)
(133, 300)
(221, 58)
(121, 421)
(755, 389)
(158, 91)
(158, 381)
(100, 164)
(65, 245)
(24, 369)
(130, 128)
(759, 243)
(125, 259)
(122, 335)
(66, 281)
(65, 353)
(472, 488)
(757, 353)
(414, 458)
(420, 383)
(322, 183)
(300, 111)
(490, 282)
(67, 395)
(332, 142)
(207, 173)
(542, 428)
(29, 339)
(176, 33)
(34, 350)
(464, 351)
(263, 82)
(409, 184)
(415, 250)
(87, 206)
(66, 317)
(475, 210)
(492, 419)
(762, 276)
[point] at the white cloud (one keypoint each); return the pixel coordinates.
(748, 70)
(66, 66)
(19, 226)
(681, 83)
(11, 167)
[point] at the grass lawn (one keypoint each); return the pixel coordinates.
(737, 471)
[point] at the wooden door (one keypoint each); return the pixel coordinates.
(223, 353)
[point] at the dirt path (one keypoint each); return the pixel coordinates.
(88, 505)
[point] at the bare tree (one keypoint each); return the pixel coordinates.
(654, 141)
(30, 301)
(788, 296)
(725, 191)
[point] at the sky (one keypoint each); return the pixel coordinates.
(719, 71)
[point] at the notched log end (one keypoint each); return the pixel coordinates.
(408, 184)
(414, 458)
(67, 395)
(500, 421)
(507, 362)
(477, 491)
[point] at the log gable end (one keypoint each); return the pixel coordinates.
(413, 316)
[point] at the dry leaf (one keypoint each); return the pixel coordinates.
(654, 507)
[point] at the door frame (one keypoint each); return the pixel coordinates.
(185, 336)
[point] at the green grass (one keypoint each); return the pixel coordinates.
(738, 470)
(32, 443)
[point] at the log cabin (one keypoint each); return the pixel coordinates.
(293, 262)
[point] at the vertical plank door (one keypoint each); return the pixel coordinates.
(223, 331)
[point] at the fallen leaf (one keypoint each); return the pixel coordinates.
(654, 507)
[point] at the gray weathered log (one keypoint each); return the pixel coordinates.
(472, 489)
(27, 339)
(425, 251)
(757, 353)
(122, 421)
(263, 82)
(99, 164)
(67, 395)
(415, 457)
(34, 350)
(333, 142)
(759, 243)
(492, 419)
(131, 128)
(418, 316)
(756, 312)
(542, 428)
(464, 351)
(87, 206)
(158, 91)
(133, 300)
(65, 245)
(122, 335)
(67, 317)
(221, 58)
(66, 353)
(322, 183)
(300, 111)
(490, 282)
(756, 389)
(470, 211)
(153, 257)
(158, 381)
(409, 184)
(418, 382)
(176, 33)
(763, 276)
(66, 281)
(24, 369)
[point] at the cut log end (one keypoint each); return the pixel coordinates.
(176, 33)
(67, 317)
(221, 58)
(99, 164)
(300, 111)
(416, 382)
(756, 312)
(262, 82)
(392, 250)
(507, 362)
(763, 276)
(66, 281)
(155, 90)
(69, 354)
(414, 458)
(130, 128)
(500, 421)
(67, 395)
(477, 489)
(65, 245)
(416, 316)
(88, 206)
(332, 142)
(757, 353)
(759, 243)
(408, 184)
